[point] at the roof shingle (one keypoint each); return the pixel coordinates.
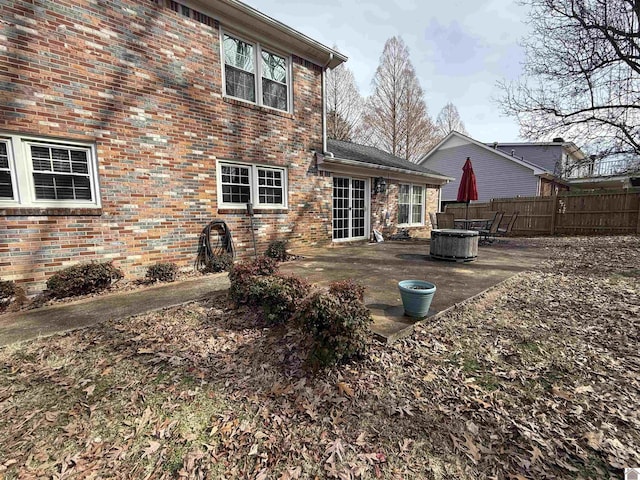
(374, 156)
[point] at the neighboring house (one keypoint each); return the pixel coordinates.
(402, 192)
(558, 157)
(127, 126)
(498, 174)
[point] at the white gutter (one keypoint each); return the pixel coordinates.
(343, 161)
(324, 103)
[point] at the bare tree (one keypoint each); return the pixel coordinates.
(449, 120)
(418, 128)
(396, 118)
(582, 74)
(344, 103)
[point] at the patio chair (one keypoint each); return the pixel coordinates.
(488, 235)
(503, 232)
(445, 220)
(434, 220)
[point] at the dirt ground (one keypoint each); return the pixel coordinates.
(538, 378)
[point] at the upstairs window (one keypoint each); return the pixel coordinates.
(245, 63)
(274, 81)
(239, 69)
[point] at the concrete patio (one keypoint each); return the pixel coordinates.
(380, 266)
(377, 266)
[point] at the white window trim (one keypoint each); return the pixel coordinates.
(253, 186)
(21, 168)
(422, 210)
(257, 74)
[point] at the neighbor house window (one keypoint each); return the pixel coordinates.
(411, 205)
(240, 183)
(244, 62)
(47, 173)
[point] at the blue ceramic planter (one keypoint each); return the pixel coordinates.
(416, 297)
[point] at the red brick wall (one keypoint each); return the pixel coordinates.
(144, 84)
(384, 211)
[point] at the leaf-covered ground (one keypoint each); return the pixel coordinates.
(539, 378)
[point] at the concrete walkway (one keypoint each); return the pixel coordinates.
(29, 324)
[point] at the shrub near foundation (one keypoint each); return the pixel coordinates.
(337, 323)
(277, 295)
(278, 250)
(83, 278)
(219, 263)
(242, 274)
(162, 272)
(11, 295)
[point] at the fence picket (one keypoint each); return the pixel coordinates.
(565, 213)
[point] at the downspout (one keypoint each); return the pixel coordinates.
(324, 104)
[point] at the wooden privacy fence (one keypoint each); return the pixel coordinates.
(567, 213)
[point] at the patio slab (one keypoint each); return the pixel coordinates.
(380, 266)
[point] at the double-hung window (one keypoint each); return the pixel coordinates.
(411, 204)
(42, 173)
(255, 73)
(241, 183)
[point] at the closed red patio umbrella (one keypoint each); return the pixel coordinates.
(468, 190)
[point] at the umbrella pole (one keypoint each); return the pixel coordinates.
(466, 215)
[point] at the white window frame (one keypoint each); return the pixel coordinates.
(21, 166)
(253, 186)
(422, 210)
(257, 74)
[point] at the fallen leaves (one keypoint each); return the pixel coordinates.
(539, 379)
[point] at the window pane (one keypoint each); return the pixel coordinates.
(61, 187)
(238, 54)
(80, 161)
(416, 216)
(274, 67)
(236, 194)
(404, 194)
(403, 213)
(6, 189)
(4, 157)
(417, 195)
(270, 195)
(274, 94)
(270, 189)
(240, 84)
(235, 184)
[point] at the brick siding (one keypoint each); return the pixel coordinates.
(384, 211)
(144, 84)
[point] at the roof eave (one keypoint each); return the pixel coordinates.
(240, 15)
(440, 179)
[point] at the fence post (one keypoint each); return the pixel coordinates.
(554, 212)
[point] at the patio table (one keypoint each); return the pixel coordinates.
(472, 223)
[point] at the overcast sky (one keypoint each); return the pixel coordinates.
(460, 48)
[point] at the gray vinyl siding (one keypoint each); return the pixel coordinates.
(496, 176)
(544, 156)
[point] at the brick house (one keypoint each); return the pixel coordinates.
(126, 126)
